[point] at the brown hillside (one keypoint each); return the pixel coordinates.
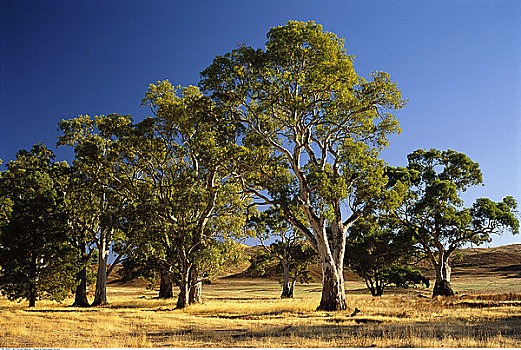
(504, 261)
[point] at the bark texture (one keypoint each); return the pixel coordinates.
(100, 295)
(182, 299)
(196, 296)
(80, 295)
(442, 285)
(166, 286)
(333, 292)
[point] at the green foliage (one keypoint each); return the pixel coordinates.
(433, 211)
(301, 96)
(36, 258)
(379, 252)
(312, 129)
(289, 252)
(186, 198)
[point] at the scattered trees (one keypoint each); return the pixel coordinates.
(193, 202)
(293, 126)
(434, 214)
(101, 199)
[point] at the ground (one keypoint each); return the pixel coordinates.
(239, 312)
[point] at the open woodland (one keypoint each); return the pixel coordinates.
(241, 312)
(281, 145)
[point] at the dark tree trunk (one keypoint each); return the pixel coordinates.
(100, 296)
(287, 290)
(182, 299)
(32, 297)
(184, 290)
(80, 296)
(196, 287)
(165, 286)
(442, 288)
(333, 293)
(33, 281)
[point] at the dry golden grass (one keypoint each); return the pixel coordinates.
(249, 314)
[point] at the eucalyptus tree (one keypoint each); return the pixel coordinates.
(312, 132)
(434, 212)
(290, 251)
(97, 159)
(36, 258)
(194, 204)
(80, 207)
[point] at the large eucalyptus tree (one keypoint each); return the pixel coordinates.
(312, 132)
(434, 212)
(193, 202)
(98, 199)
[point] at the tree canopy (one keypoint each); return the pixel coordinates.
(434, 212)
(36, 258)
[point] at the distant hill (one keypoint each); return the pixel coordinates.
(504, 260)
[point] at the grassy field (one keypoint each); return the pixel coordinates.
(248, 313)
(241, 312)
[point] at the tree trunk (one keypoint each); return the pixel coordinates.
(165, 286)
(287, 291)
(442, 285)
(100, 296)
(32, 296)
(333, 293)
(196, 296)
(184, 290)
(182, 299)
(80, 296)
(33, 281)
(196, 288)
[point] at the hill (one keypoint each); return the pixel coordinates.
(502, 261)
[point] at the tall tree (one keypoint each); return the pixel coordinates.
(97, 159)
(36, 258)
(80, 206)
(193, 202)
(435, 214)
(313, 129)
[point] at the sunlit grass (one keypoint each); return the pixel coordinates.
(251, 314)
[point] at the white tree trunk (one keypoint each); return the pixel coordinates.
(442, 285)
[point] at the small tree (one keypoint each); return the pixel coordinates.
(434, 214)
(290, 251)
(36, 258)
(380, 253)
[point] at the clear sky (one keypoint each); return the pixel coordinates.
(457, 61)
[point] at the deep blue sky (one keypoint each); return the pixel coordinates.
(458, 62)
